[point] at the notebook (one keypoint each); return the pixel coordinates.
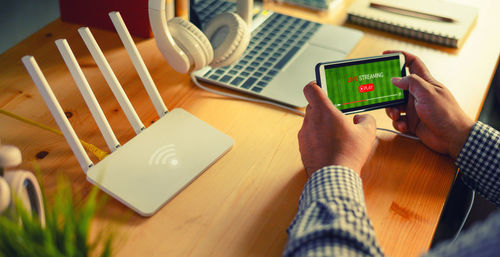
(281, 56)
(440, 32)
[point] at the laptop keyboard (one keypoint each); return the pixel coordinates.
(272, 46)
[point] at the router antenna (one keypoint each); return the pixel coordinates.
(110, 77)
(88, 95)
(139, 65)
(57, 112)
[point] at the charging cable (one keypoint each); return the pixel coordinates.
(466, 216)
(255, 100)
(100, 154)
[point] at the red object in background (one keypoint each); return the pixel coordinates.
(94, 13)
(366, 88)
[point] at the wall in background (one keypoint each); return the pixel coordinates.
(21, 18)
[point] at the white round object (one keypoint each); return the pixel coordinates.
(229, 36)
(4, 195)
(192, 41)
(25, 186)
(10, 156)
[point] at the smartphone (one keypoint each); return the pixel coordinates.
(363, 84)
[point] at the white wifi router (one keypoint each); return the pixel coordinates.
(159, 161)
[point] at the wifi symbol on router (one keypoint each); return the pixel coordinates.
(164, 155)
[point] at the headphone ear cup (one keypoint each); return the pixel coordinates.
(5, 195)
(192, 41)
(229, 36)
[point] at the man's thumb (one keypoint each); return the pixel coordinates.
(414, 84)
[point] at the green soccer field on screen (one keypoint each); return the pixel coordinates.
(363, 84)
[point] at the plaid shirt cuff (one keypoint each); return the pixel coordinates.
(332, 218)
(332, 183)
(479, 161)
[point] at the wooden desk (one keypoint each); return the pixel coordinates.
(243, 204)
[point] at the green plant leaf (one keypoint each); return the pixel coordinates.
(66, 230)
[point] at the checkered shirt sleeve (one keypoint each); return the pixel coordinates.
(479, 162)
(331, 218)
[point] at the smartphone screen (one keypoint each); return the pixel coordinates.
(364, 84)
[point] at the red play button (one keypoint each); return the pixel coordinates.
(366, 88)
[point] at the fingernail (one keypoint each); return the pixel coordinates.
(396, 79)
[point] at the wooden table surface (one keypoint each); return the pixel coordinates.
(242, 205)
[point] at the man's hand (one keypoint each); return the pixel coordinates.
(432, 112)
(328, 137)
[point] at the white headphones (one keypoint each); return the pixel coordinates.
(23, 184)
(186, 48)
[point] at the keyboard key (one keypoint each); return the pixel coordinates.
(238, 67)
(214, 77)
(257, 74)
(267, 78)
(249, 69)
(272, 73)
(233, 72)
(257, 89)
(262, 69)
(244, 74)
(219, 71)
(237, 81)
(305, 25)
(262, 83)
(225, 79)
(284, 60)
(248, 83)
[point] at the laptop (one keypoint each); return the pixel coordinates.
(281, 56)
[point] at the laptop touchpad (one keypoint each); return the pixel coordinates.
(300, 71)
(338, 38)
